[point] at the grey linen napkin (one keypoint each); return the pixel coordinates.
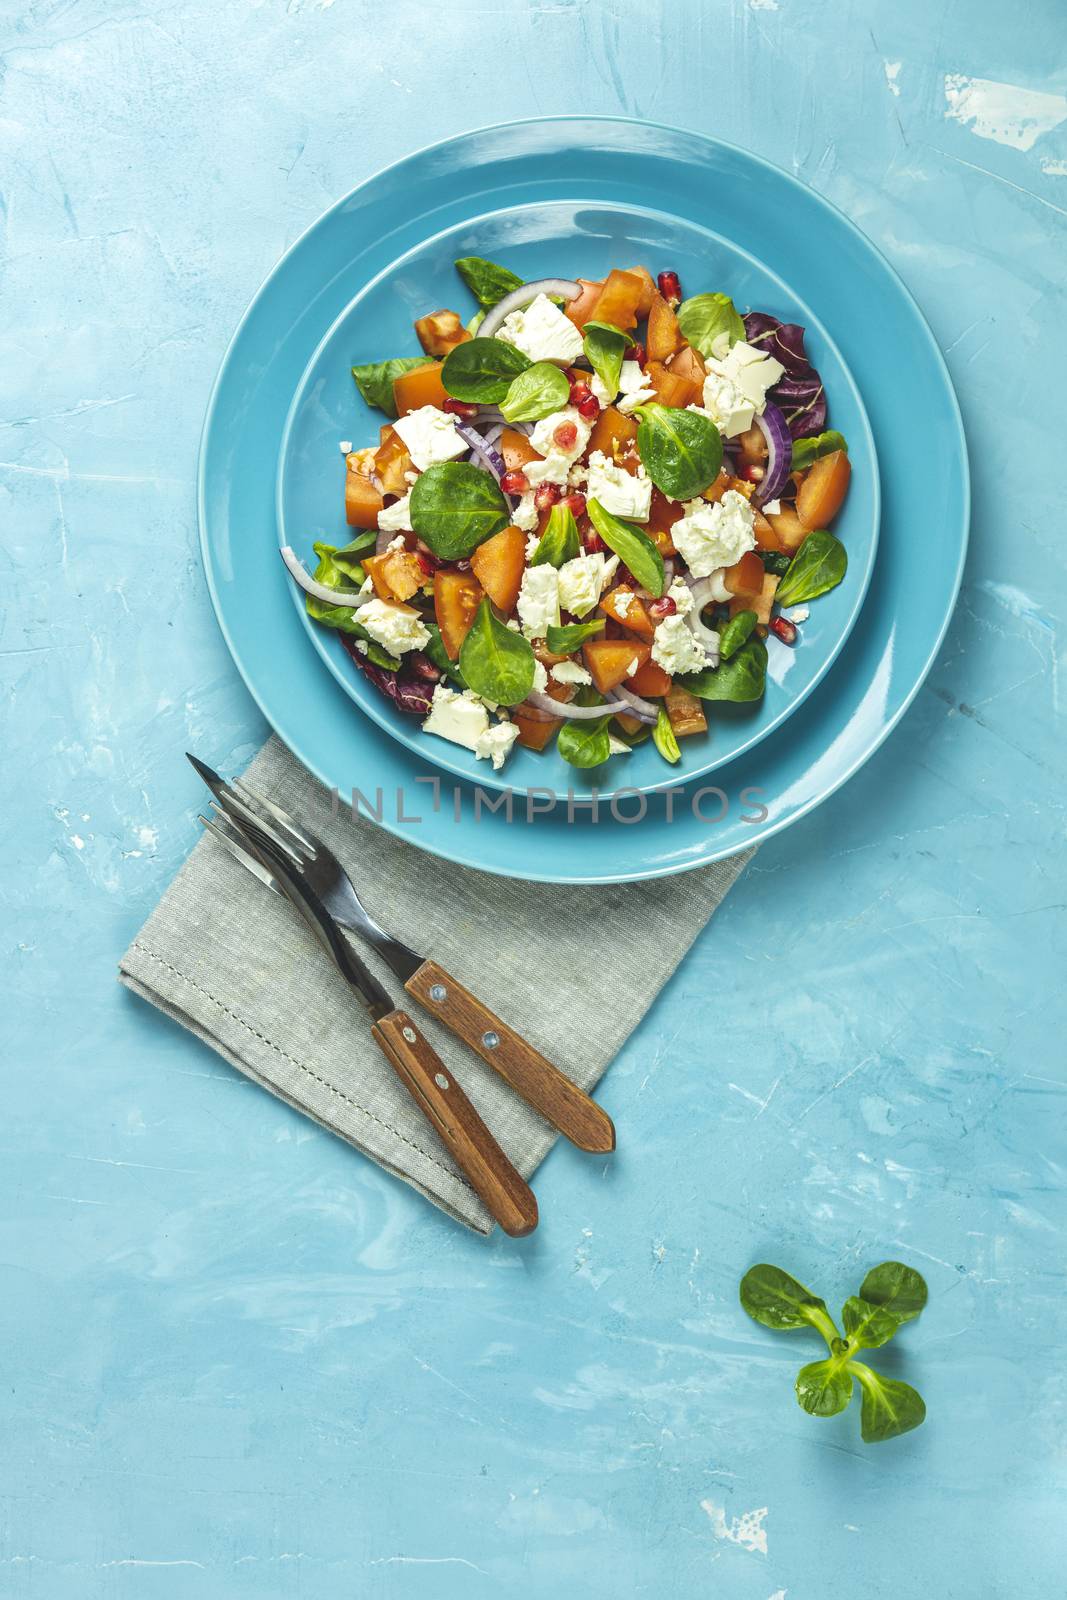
(239, 968)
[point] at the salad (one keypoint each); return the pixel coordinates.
(590, 509)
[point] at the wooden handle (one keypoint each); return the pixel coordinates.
(491, 1175)
(540, 1084)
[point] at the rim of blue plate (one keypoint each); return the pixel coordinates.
(762, 832)
(451, 759)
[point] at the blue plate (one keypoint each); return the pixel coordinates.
(563, 239)
(626, 169)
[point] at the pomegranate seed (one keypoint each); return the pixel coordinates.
(663, 608)
(589, 408)
(752, 474)
(565, 435)
(575, 503)
(427, 563)
(515, 482)
(670, 288)
(546, 495)
(785, 630)
(459, 408)
(422, 667)
(579, 391)
(639, 354)
(593, 542)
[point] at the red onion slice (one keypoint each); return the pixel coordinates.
(775, 430)
(320, 591)
(644, 710)
(563, 709)
(488, 457)
(563, 288)
(705, 591)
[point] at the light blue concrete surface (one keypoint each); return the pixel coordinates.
(237, 1359)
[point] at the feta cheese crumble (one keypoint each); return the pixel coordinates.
(711, 536)
(635, 388)
(570, 672)
(396, 518)
(524, 515)
(538, 602)
(559, 460)
(675, 647)
(736, 385)
(540, 681)
(346, 447)
(430, 436)
(396, 628)
(463, 719)
(622, 493)
(542, 332)
(583, 580)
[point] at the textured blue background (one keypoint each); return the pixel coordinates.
(238, 1360)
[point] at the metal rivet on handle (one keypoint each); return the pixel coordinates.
(438, 992)
(440, 1080)
(409, 1034)
(490, 1040)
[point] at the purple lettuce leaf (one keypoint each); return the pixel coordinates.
(799, 395)
(410, 687)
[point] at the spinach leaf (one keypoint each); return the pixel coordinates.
(633, 547)
(340, 573)
(586, 743)
(486, 281)
(455, 506)
(375, 380)
(497, 663)
(665, 739)
(772, 1297)
(440, 656)
(605, 345)
(681, 450)
(867, 1325)
(819, 565)
(741, 679)
(824, 1387)
(733, 634)
(705, 317)
(561, 641)
(889, 1407)
(898, 1288)
(775, 561)
(807, 451)
(480, 371)
(535, 393)
(559, 542)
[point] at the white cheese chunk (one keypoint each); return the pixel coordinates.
(397, 629)
(583, 580)
(570, 672)
(544, 440)
(463, 719)
(538, 602)
(675, 647)
(524, 515)
(430, 436)
(496, 743)
(622, 493)
(710, 536)
(636, 390)
(396, 518)
(542, 332)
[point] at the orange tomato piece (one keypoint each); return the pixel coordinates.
(615, 434)
(648, 290)
(685, 711)
(498, 566)
(440, 332)
(619, 299)
(688, 364)
(391, 461)
(629, 612)
(363, 501)
(671, 389)
(609, 660)
(664, 334)
(395, 574)
(580, 309)
(789, 531)
(456, 597)
(517, 450)
(421, 386)
(745, 576)
(760, 603)
(823, 491)
(649, 679)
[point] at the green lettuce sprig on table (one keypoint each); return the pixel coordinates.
(890, 1295)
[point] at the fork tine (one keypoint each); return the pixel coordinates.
(282, 818)
(226, 838)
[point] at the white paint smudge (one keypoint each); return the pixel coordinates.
(892, 73)
(1004, 112)
(763, 5)
(1052, 167)
(1018, 603)
(747, 1530)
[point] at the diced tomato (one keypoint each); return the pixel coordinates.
(498, 566)
(456, 597)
